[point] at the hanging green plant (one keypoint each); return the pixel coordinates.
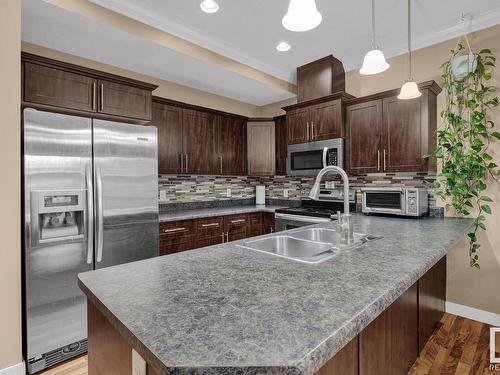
(465, 136)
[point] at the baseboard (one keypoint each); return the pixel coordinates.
(18, 369)
(474, 314)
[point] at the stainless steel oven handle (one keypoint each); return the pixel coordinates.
(90, 214)
(308, 219)
(99, 214)
(325, 154)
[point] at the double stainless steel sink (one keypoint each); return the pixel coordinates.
(313, 245)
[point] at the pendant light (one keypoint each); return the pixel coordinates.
(302, 15)
(409, 90)
(374, 61)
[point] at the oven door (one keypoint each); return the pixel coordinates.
(384, 201)
(307, 159)
(289, 221)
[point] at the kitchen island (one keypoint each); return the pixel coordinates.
(228, 309)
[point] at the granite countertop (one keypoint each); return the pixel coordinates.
(216, 211)
(226, 309)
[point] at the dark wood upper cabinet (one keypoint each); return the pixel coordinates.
(388, 345)
(385, 134)
(261, 148)
(298, 126)
(59, 88)
(62, 87)
(320, 78)
(123, 100)
(280, 134)
(364, 130)
(168, 121)
(200, 142)
(327, 121)
(232, 145)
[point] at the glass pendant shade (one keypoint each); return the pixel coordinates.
(374, 63)
(209, 6)
(409, 90)
(302, 15)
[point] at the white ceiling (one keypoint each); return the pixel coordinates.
(247, 31)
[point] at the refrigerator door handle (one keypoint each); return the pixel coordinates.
(90, 215)
(99, 215)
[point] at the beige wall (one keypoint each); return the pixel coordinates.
(10, 154)
(466, 286)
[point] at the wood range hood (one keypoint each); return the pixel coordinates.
(320, 78)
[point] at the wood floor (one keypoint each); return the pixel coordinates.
(459, 346)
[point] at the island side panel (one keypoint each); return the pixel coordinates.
(345, 362)
(432, 298)
(109, 353)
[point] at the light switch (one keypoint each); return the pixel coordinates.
(163, 195)
(285, 193)
(138, 364)
(228, 193)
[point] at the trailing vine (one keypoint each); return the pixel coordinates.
(463, 142)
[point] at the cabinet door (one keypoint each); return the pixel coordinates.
(364, 130)
(176, 236)
(261, 148)
(327, 121)
(54, 87)
(388, 345)
(298, 126)
(402, 149)
(235, 227)
(200, 142)
(122, 100)
(168, 121)
(232, 146)
(280, 144)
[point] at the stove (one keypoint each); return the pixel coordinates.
(313, 212)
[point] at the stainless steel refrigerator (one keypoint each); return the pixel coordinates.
(90, 201)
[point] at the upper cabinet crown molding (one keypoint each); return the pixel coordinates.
(344, 96)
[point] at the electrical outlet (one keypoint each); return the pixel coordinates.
(163, 195)
(138, 364)
(285, 193)
(228, 193)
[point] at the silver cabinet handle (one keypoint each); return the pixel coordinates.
(312, 130)
(308, 133)
(272, 230)
(378, 160)
(94, 96)
(238, 221)
(227, 236)
(210, 225)
(90, 215)
(99, 214)
(220, 157)
(222, 234)
(385, 166)
(186, 163)
(174, 230)
(102, 97)
(182, 162)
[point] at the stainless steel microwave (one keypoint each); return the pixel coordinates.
(307, 159)
(395, 201)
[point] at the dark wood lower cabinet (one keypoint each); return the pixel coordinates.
(431, 301)
(109, 353)
(345, 362)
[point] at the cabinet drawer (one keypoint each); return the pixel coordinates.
(203, 242)
(210, 227)
(177, 228)
(254, 230)
(235, 221)
(268, 218)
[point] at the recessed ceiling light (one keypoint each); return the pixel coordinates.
(209, 6)
(283, 47)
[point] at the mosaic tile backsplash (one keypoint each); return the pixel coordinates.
(191, 189)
